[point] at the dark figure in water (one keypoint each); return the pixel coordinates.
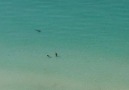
(37, 30)
(56, 55)
(49, 56)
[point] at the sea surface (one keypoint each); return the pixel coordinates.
(91, 38)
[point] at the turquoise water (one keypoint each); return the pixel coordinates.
(91, 38)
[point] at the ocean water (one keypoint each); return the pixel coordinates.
(91, 38)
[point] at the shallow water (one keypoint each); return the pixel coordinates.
(91, 38)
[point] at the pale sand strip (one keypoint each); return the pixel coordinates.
(27, 80)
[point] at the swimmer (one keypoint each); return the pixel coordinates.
(56, 55)
(49, 56)
(37, 30)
